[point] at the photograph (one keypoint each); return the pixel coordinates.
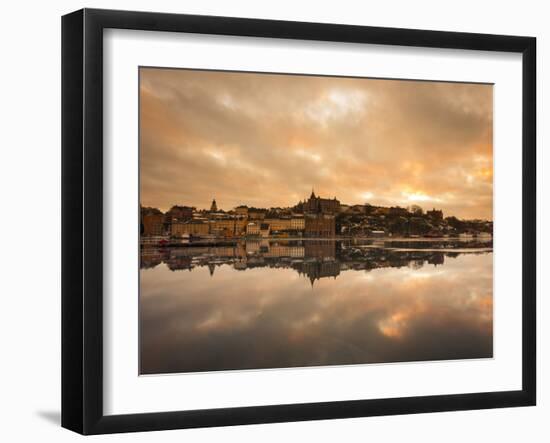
(293, 220)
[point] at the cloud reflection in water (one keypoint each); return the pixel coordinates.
(265, 317)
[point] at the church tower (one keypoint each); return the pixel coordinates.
(214, 207)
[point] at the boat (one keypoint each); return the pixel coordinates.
(155, 240)
(183, 239)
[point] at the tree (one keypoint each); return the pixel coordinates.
(419, 226)
(454, 222)
(416, 210)
(398, 225)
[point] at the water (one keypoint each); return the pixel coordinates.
(252, 305)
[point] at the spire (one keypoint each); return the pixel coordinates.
(214, 206)
(312, 193)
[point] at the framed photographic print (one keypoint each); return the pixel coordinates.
(269, 221)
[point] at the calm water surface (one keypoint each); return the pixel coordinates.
(251, 305)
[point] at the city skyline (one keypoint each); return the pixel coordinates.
(222, 208)
(265, 140)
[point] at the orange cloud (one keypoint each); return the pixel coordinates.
(264, 139)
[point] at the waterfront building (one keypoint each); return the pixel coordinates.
(278, 224)
(297, 223)
(228, 227)
(194, 227)
(319, 225)
(242, 210)
(153, 224)
(264, 230)
(253, 229)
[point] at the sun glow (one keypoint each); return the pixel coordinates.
(420, 197)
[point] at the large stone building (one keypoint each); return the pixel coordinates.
(253, 229)
(152, 224)
(297, 223)
(228, 227)
(190, 227)
(278, 224)
(285, 223)
(179, 213)
(320, 225)
(317, 204)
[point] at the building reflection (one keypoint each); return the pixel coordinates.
(314, 259)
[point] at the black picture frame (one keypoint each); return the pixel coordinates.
(82, 220)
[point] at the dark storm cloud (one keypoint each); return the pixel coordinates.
(265, 140)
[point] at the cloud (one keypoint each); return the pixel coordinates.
(263, 139)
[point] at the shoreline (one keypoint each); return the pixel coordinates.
(167, 242)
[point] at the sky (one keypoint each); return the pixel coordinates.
(267, 140)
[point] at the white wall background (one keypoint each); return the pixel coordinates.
(30, 200)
